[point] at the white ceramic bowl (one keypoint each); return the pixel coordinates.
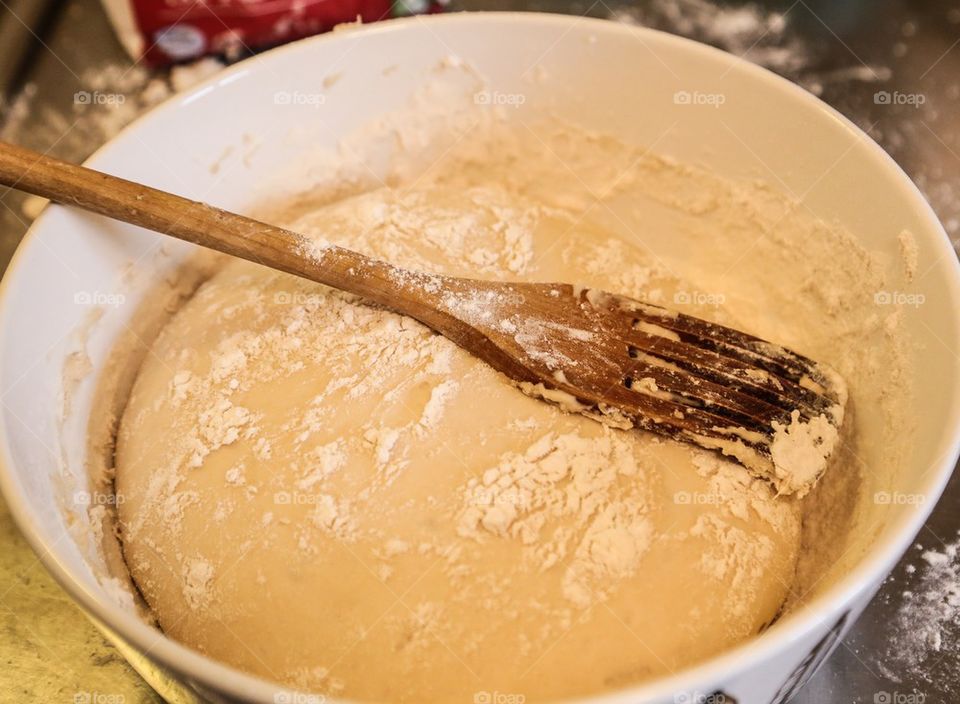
(638, 84)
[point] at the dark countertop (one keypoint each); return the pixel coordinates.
(846, 51)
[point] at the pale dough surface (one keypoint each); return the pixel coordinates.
(330, 496)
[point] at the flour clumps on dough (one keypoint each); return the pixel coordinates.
(573, 477)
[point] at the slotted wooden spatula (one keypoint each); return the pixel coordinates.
(629, 363)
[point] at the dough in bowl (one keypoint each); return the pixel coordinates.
(329, 495)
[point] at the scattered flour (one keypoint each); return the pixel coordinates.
(926, 628)
(198, 575)
(567, 476)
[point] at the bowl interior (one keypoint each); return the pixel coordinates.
(265, 126)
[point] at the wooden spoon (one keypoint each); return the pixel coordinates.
(628, 363)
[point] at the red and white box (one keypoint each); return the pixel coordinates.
(170, 31)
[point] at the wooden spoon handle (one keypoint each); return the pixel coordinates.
(211, 227)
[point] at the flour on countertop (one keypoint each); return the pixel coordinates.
(752, 32)
(748, 30)
(125, 92)
(926, 627)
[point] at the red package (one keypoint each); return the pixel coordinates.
(168, 31)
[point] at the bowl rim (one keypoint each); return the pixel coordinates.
(709, 674)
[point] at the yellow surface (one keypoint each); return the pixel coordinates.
(49, 651)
